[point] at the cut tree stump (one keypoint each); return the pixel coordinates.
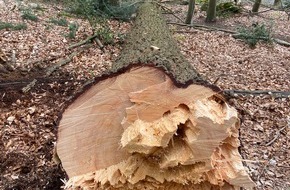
(151, 122)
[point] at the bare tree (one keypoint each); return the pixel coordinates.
(190, 11)
(278, 3)
(211, 11)
(256, 6)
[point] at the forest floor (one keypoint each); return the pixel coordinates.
(28, 121)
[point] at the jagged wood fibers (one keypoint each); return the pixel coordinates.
(151, 123)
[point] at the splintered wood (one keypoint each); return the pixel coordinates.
(138, 130)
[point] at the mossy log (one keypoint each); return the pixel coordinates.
(151, 122)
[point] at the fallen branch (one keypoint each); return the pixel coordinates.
(184, 31)
(33, 62)
(170, 11)
(235, 34)
(29, 86)
(278, 41)
(281, 42)
(203, 26)
(278, 133)
(61, 63)
(51, 69)
(24, 82)
(90, 38)
(281, 94)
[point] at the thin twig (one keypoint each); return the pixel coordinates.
(278, 133)
(203, 26)
(184, 31)
(263, 171)
(171, 12)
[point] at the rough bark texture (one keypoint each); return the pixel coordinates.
(150, 42)
(190, 12)
(211, 11)
(151, 123)
(278, 4)
(256, 6)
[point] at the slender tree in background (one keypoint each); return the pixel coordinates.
(211, 11)
(256, 6)
(278, 3)
(190, 11)
(112, 2)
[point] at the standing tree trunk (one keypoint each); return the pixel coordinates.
(113, 2)
(151, 122)
(256, 6)
(190, 11)
(278, 4)
(211, 11)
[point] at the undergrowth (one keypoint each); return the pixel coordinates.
(257, 32)
(28, 15)
(8, 25)
(105, 35)
(225, 9)
(73, 28)
(97, 12)
(104, 8)
(60, 22)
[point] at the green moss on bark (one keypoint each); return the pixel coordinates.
(150, 43)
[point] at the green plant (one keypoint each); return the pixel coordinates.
(223, 9)
(38, 7)
(228, 9)
(123, 11)
(8, 25)
(98, 11)
(103, 8)
(73, 28)
(86, 9)
(60, 22)
(83, 8)
(286, 4)
(105, 35)
(28, 15)
(121, 38)
(257, 32)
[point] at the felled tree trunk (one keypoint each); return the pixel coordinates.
(151, 122)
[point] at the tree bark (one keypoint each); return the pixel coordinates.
(211, 11)
(256, 6)
(278, 4)
(190, 11)
(151, 122)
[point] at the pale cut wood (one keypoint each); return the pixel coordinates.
(91, 124)
(138, 130)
